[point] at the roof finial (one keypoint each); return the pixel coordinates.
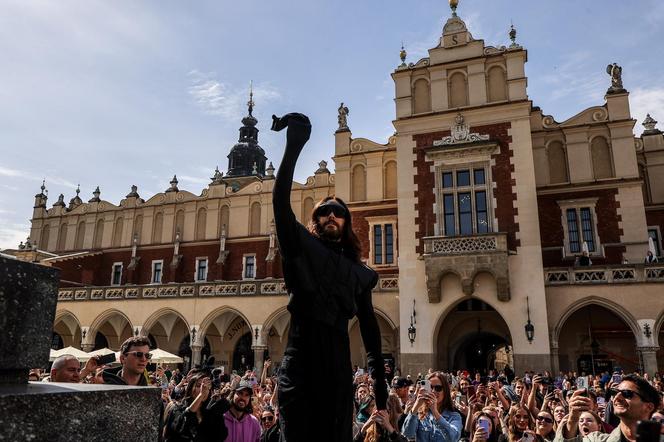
(512, 35)
(43, 186)
(78, 189)
(453, 5)
(251, 97)
(403, 55)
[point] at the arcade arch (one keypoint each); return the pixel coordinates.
(472, 335)
(275, 334)
(110, 329)
(66, 331)
(389, 333)
(229, 336)
(166, 329)
(596, 337)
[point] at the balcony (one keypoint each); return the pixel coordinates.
(616, 274)
(266, 287)
(466, 256)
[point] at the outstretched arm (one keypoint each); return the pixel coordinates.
(372, 343)
(299, 130)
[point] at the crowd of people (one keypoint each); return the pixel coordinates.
(210, 404)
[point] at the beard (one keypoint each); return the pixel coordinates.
(329, 231)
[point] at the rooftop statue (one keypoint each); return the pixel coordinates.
(343, 114)
(615, 72)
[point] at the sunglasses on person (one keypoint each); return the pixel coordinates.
(627, 394)
(327, 209)
(140, 354)
(267, 418)
(548, 420)
(437, 388)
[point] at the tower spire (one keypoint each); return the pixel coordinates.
(251, 103)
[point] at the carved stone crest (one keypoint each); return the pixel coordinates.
(460, 134)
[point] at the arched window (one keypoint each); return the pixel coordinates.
(45, 234)
(224, 219)
(117, 232)
(391, 179)
(99, 234)
(179, 224)
(601, 156)
(307, 207)
(421, 96)
(458, 92)
(138, 229)
(497, 84)
(255, 219)
(201, 223)
(157, 227)
(80, 235)
(62, 237)
(358, 183)
(557, 163)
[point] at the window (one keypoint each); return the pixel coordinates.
(496, 83)
(601, 157)
(116, 274)
(358, 183)
(249, 267)
(464, 201)
(458, 90)
(382, 240)
(653, 232)
(157, 267)
(201, 269)
(580, 226)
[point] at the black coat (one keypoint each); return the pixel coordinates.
(183, 426)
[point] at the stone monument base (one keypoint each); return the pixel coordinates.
(41, 411)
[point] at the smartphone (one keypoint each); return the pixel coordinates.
(601, 400)
(425, 385)
(616, 378)
(463, 398)
(105, 359)
(485, 425)
(528, 438)
(648, 431)
(550, 388)
(457, 399)
(471, 391)
(584, 392)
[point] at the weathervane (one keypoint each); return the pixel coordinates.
(250, 103)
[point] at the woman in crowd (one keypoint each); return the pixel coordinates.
(197, 418)
(559, 413)
(519, 424)
(545, 426)
(483, 428)
(382, 424)
(589, 421)
(432, 418)
(269, 425)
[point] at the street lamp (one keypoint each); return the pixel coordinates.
(412, 331)
(530, 328)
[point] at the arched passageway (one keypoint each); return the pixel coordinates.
(389, 338)
(594, 339)
(66, 332)
(110, 330)
(473, 336)
(229, 337)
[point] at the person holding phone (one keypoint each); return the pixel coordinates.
(520, 426)
(482, 428)
(545, 426)
(433, 417)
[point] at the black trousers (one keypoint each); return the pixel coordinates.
(316, 385)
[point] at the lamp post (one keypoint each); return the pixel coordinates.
(412, 331)
(530, 328)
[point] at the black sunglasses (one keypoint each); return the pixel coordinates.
(437, 388)
(326, 209)
(545, 419)
(140, 354)
(267, 418)
(627, 394)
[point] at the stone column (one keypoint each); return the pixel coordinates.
(196, 354)
(87, 347)
(555, 360)
(649, 359)
(259, 350)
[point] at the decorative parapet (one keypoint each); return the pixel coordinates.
(266, 287)
(619, 274)
(466, 257)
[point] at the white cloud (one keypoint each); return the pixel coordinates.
(577, 77)
(16, 173)
(647, 101)
(218, 98)
(193, 179)
(12, 233)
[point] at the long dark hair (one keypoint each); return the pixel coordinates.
(349, 241)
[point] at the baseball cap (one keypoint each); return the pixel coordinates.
(244, 385)
(401, 382)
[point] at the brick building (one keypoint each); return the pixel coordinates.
(475, 213)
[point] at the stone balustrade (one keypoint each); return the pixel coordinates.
(265, 287)
(615, 274)
(460, 245)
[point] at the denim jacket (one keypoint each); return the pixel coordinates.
(446, 429)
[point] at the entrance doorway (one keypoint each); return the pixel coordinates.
(473, 336)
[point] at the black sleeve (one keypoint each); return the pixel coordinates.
(372, 343)
(299, 129)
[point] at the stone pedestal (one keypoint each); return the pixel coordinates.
(649, 359)
(28, 295)
(87, 412)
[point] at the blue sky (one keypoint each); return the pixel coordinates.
(115, 93)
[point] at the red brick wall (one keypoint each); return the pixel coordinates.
(551, 229)
(505, 211)
(361, 228)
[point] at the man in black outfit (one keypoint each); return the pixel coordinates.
(327, 285)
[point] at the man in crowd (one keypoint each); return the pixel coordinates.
(635, 400)
(134, 357)
(241, 424)
(400, 386)
(67, 368)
